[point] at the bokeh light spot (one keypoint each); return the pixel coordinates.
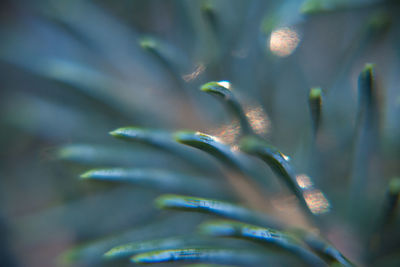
(258, 119)
(283, 41)
(304, 181)
(316, 201)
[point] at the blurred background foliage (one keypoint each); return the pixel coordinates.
(73, 70)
